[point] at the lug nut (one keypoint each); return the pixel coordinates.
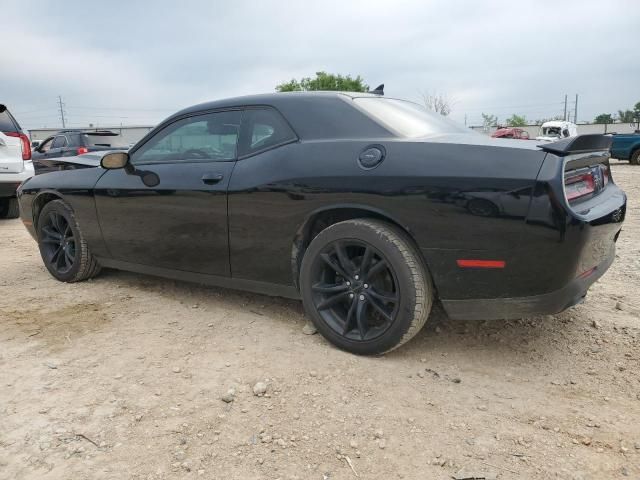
(351, 295)
(348, 284)
(361, 297)
(366, 285)
(357, 277)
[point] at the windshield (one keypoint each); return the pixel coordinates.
(408, 119)
(551, 131)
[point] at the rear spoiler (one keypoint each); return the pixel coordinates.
(592, 142)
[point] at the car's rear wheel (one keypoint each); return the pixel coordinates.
(9, 208)
(635, 158)
(62, 246)
(365, 287)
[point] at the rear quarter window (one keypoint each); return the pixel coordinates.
(6, 122)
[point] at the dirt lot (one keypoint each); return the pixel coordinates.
(122, 377)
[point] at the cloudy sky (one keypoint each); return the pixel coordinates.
(136, 62)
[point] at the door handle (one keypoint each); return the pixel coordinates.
(212, 178)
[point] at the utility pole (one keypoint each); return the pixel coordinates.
(61, 106)
(565, 107)
(465, 119)
(575, 112)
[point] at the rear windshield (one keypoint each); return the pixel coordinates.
(408, 119)
(6, 121)
(103, 140)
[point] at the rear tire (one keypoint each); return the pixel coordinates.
(365, 287)
(9, 208)
(63, 247)
(635, 158)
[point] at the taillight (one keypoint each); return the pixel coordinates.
(82, 150)
(24, 140)
(579, 185)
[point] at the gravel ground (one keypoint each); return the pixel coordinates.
(135, 377)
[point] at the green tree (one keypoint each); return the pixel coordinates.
(626, 116)
(636, 109)
(604, 118)
(325, 81)
(516, 121)
(489, 120)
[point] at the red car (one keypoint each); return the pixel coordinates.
(511, 133)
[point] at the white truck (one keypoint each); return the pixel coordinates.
(555, 130)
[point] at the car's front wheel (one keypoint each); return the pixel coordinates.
(365, 286)
(635, 158)
(62, 246)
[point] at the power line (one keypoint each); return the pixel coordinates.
(61, 111)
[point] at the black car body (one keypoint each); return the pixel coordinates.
(51, 154)
(245, 216)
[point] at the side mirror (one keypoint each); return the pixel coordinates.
(115, 160)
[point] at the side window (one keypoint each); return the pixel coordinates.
(59, 142)
(524, 135)
(46, 145)
(212, 137)
(565, 133)
(262, 129)
(75, 140)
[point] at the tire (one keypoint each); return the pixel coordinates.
(365, 287)
(63, 247)
(635, 158)
(9, 208)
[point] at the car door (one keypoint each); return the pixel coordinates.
(57, 147)
(168, 208)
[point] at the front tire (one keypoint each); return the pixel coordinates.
(635, 158)
(9, 208)
(63, 248)
(365, 287)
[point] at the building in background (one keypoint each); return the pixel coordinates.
(583, 128)
(129, 134)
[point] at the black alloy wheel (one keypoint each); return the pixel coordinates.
(63, 248)
(365, 286)
(58, 243)
(355, 290)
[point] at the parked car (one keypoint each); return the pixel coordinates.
(626, 147)
(348, 201)
(68, 143)
(15, 162)
(555, 130)
(511, 132)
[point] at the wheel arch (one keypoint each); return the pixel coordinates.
(41, 199)
(324, 217)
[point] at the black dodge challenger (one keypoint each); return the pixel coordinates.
(367, 208)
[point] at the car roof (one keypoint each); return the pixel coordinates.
(271, 99)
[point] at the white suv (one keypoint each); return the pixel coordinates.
(15, 162)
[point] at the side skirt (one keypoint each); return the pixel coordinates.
(264, 288)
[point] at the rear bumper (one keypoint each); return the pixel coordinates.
(521, 307)
(9, 182)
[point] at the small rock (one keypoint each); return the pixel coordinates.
(586, 441)
(138, 417)
(210, 325)
(378, 434)
(353, 444)
(52, 366)
(309, 329)
(259, 389)
(382, 443)
(482, 408)
(313, 373)
(229, 396)
(281, 443)
(595, 324)
(118, 376)
(176, 370)
(619, 306)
